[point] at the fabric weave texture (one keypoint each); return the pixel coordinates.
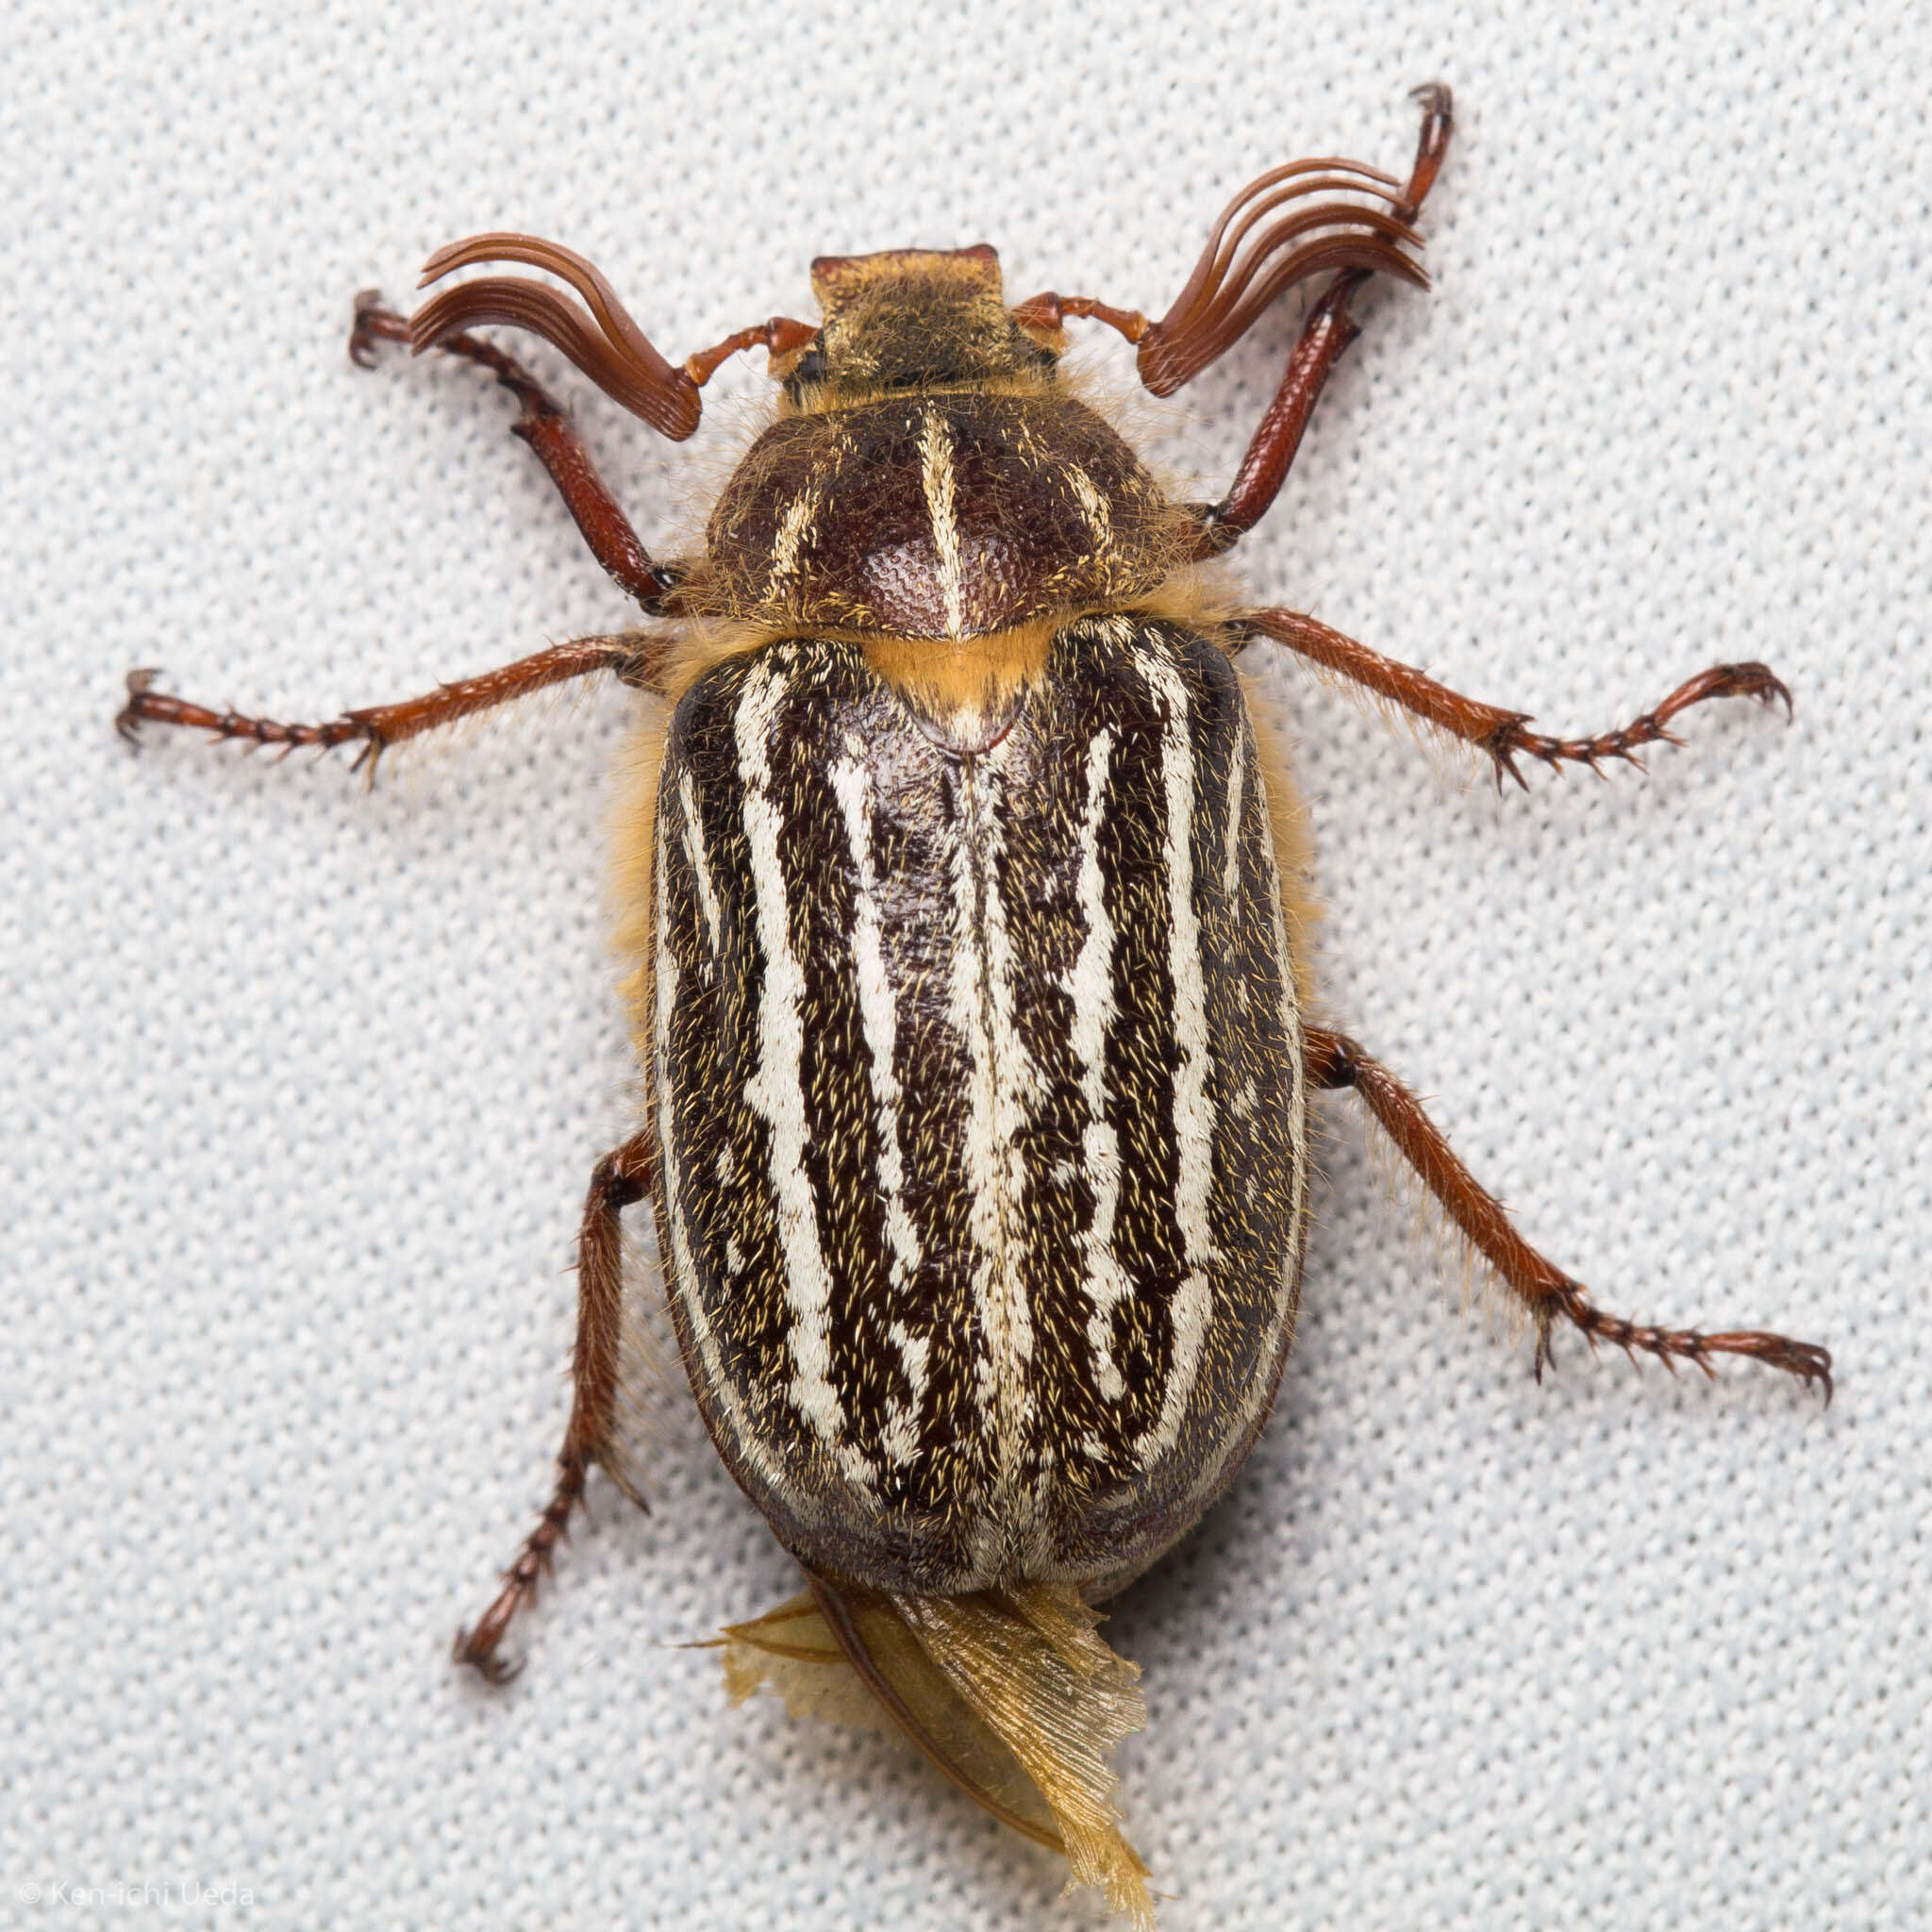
(303, 1081)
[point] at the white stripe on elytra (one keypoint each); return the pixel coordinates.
(1000, 1085)
(935, 473)
(684, 1278)
(900, 1439)
(1193, 1109)
(1090, 983)
(700, 865)
(775, 1091)
(1237, 773)
(852, 783)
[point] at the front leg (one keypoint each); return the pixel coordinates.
(1542, 1289)
(550, 433)
(1326, 331)
(1264, 242)
(1504, 735)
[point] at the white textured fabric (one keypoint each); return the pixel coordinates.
(303, 1084)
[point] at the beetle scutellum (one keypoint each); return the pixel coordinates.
(965, 908)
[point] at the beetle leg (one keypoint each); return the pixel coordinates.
(1326, 331)
(621, 1178)
(548, 431)
(635, 657)
(1543, 1289)
(1503, 735)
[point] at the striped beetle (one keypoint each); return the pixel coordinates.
(966, 909)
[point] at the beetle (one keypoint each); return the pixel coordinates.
(964, 908)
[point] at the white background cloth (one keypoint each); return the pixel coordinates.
(303, 1084)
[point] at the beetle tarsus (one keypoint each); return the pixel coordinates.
(1803, 1360)
(1509, 741)
(1503, 735)
(376, 727)
(373, 320)
(146, 706)
(522, 1582)
(128, 720)
(1439, 122)
(475, 1649)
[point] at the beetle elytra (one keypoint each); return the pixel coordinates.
(964, 914)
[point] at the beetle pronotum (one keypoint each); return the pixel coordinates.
(964, 911)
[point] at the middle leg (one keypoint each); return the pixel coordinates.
(1539, 1285)
(1503, 735)
(635, 658)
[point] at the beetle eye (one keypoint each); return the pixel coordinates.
(809, 368)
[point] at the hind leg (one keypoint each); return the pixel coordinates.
(620, 1180)
(1543, 1289)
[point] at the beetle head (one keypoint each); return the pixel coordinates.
(910, 319)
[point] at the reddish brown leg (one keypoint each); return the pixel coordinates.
(1326, 332)
(1490, 728)
(545, 428)
(620, 1180)
(1263, 244)
(1544, 1288)
(634, 659)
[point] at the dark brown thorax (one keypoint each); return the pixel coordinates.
(927, 478)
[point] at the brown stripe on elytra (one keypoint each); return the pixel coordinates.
(826, 706)
(1141, 1063)
(1257, 1204)
(1250, 1196)
(846, 708)
(834, 1157)
(1095, 688)
(918, 814)
(835, 707)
